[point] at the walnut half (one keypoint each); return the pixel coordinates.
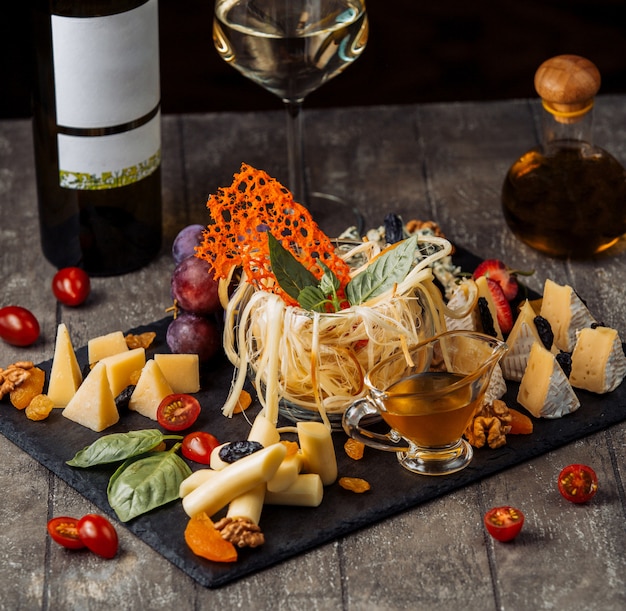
(241, 532)
(490, 425)
(13, 376)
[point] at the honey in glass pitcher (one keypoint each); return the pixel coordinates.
(566, 197)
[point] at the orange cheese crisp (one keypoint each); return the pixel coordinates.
(243, 214)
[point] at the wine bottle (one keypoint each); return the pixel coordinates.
(97, 133)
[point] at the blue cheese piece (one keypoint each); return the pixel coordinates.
(545, 390)
(565, 312)
(523, 335)
(496, 387)
(598, 361)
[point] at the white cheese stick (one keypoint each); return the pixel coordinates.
(263, 431)
(318, 451)
(234, 480)
(286, 474)
(306, 491)
(215, 462)
(190, 483)
(248, 505)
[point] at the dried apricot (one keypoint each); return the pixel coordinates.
(29, 388)
(39, 408)
(354, 484)
(520, 423)
(206, 541)
(243, 403)
(354, 449)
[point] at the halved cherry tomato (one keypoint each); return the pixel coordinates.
(178, 412)
(71, 285)
(504, 523)
(578, 483)
(64, 531)
(18, 326)
(98, 534)
(198, 446)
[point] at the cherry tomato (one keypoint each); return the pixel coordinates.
(64, 531)
(198, 447)
(98, 534)
(578, 483)
(504, 523)
(71, 285)
(18, 326)
(178, 412)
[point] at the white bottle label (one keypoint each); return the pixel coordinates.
(107, 89)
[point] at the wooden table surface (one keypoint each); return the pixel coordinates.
(443, 162)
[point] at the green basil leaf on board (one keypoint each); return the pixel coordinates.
(290, 274)
(141, 484)
(119, 446)
(388, 269)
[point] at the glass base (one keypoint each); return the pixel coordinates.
(437, 461)
(297, 413)
(333, 214)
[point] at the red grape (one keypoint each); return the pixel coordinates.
(194, 288)
(192, 334)
(186, 241)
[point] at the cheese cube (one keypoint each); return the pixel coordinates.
(151, 389)
(598, 361)
(182, 371)
(121, 366)
(65, 375)
(306, 491)
(544, 390)
(565, 312)
(106, 345)
(93, 405)
(523, 335)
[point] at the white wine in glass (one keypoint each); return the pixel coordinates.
(292, 47)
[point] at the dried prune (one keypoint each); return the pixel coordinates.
(394, 228)
(486, 318)
(545, 331)
(564, 359)
(233, 451)
(122, 400)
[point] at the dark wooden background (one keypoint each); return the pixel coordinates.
(418, 51)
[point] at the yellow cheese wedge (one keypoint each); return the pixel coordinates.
(65, 375)
(151, 389)
(121, 366)
(306, 491)
(182, 371)
(598, 361)
(545, 390)
(93, 405)
(318, 451)
(565, 312)
(106, 345)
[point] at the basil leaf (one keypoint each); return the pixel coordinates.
(312, 298)
(329, 283)
(142, 484)
(389, 268)
(290, 274)
(118, 446)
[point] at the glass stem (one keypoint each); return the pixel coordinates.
(295, 151)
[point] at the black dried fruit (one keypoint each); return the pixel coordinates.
(233, 451)
(122, 400)
(564, 359)
(486, 319)
(595, 325)
(545, 331)
(394, 228)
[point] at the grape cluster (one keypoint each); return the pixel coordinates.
(196, 328)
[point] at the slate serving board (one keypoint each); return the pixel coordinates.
(289, 531)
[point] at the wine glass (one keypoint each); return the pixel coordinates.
(292, 47)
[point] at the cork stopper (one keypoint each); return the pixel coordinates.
(567, 85)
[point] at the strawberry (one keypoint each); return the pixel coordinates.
(503, 307)
(496, 270)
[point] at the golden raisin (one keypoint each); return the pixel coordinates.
(143, 340)
(354, 484)
(29, 388)
(354, 449)
(243, 403)
(39, 408)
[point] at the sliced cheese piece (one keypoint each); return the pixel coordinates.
(565, 312)
(121, 366)
(234, 480)
(523, 335)
(545, 390)
(306, 491)
(318, 450)
(151, 389)
(106, 345)
(598, 361)
(93, 404)
(65, 375)
(182, 371)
